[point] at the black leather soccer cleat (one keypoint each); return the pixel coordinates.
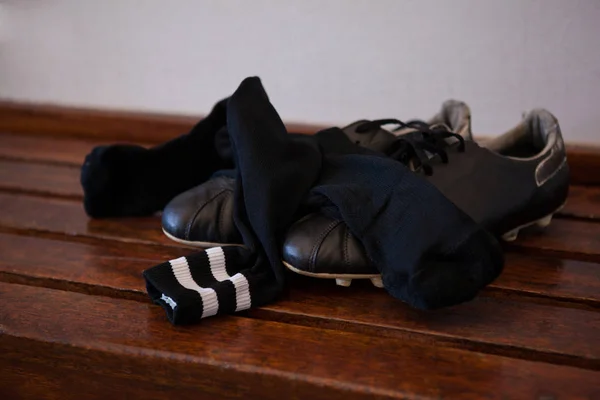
(203, 216)
(519, 179)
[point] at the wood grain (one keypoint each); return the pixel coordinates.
(584, 163)
(97, 265)
(32, 213)
(128, 343)
(60, 121)
(494, 325)
(64, 151)
(564, 238)
(40, 179)
(111, 270)
(573, 239)
(112, 125)
(583, 202)
(29, 118)
(552, 278)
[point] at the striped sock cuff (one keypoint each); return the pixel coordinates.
(215, 281)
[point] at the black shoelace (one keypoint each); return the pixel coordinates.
(411, 146)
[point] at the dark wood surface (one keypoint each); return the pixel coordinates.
(584, 202)
(244, 357)
(76, 322)
(50, 150)
(42, 179)
(117, 274)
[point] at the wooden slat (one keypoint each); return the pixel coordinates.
(501, 326)
(228, 356)
(113, 270)
(40, 179)
(64, 121)
(29, 118)
(584, 163)
(119, 265)
(47, 149)
(583, 202)
(487, 324)
(32, 213)
(563, 238)
(551, 277)
(573, 239)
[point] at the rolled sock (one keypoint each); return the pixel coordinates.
(128, 180)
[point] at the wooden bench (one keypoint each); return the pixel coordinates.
(76, 323)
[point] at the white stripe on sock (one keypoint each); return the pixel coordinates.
(216, 258)
(242, 292)
(168, 300)
(182, 273)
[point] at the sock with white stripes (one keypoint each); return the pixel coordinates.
(275, 171)
(203, 284)
(129, 180)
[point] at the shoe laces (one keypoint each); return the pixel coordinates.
(411, 148)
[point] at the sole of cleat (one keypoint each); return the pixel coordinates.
(344, 280)
(204, 245)
(377, 282)
(512, 235)
(544, 222)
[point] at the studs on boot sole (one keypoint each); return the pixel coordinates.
(541, 223)
(345, 282)
(544, 222)
(377, 282)
(511, 236)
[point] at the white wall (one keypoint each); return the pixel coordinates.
(322, 61)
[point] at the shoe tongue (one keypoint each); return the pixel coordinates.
(441, 126)
(451, 141)
(404, 131)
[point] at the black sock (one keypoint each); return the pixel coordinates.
(430, 253)
(275, 171)
(129, 180)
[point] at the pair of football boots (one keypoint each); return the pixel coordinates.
(514, 181)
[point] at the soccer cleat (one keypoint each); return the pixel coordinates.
(203, 215)
(518, 180)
